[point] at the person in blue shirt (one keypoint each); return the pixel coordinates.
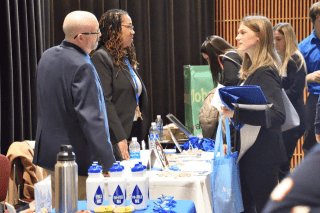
(310, 49)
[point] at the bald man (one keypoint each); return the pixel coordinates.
(71, 108)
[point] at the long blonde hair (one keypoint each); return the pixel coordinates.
(291, 46)
(265, 53)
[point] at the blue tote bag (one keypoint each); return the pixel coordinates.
(225, 177)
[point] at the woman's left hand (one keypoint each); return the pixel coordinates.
(226, 112)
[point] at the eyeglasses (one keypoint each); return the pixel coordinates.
(98, 31)
(130, 27)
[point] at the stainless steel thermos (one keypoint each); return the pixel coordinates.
(66, 181)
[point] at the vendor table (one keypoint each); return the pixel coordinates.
(181, 206)
(196, 188)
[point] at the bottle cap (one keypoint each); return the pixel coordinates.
(137, 168)
(134, 139)
(66, 153)
(144, 167)
(116, 168)
(158, 116)
(95, 169)
(153, 124)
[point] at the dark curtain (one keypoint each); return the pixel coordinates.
(26, 34)
(168, 35)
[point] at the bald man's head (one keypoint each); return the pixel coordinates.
(78, 22)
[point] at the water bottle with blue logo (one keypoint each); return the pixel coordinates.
(134, 149)
(159, 124)
(95, 187)
(138, 188)
(147, 181)
(153, 135)
(117, 186)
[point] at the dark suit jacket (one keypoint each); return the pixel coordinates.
(68, 110)
(268, 148)
(294, 85)
(120, 97)
(306, 186)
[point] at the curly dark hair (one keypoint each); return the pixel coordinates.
(111, 38)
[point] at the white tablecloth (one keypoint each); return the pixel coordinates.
(196, 188)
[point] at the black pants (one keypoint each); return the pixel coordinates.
(257, 183)
(290, 139)
(309, 135)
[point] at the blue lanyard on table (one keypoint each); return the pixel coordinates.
(134, 78)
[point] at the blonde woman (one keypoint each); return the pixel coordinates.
(293, 74)
(261, 66)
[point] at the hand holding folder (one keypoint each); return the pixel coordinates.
(251, 95)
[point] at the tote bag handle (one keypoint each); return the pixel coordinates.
(219, 138)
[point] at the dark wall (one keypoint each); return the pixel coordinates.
(169, 34)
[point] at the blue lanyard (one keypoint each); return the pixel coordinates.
(134, 78)
(102, 104)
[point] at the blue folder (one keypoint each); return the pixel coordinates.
(241, 95)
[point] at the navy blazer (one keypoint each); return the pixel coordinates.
(120, 97)
(68, 110)
(268, 148)
(306, 186)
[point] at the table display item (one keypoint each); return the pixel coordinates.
(147, 177)
(134, 149)
(117, 186)
(104, 209)
(127, 209)
(165, 204)
(138, 188)
(143, 145)
(159, 124)
(184, 129)
(197, 84)
(153, 135)
(43, 195)
(95, 187)
(66, 181)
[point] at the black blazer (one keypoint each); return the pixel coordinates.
(120, 97)
(68, 110)
(294, 85)
(268, 148)
(230, 73)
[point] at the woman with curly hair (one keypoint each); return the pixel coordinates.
(125, 94)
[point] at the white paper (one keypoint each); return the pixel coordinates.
(43, 194)
(248, 135)
(216, 100)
